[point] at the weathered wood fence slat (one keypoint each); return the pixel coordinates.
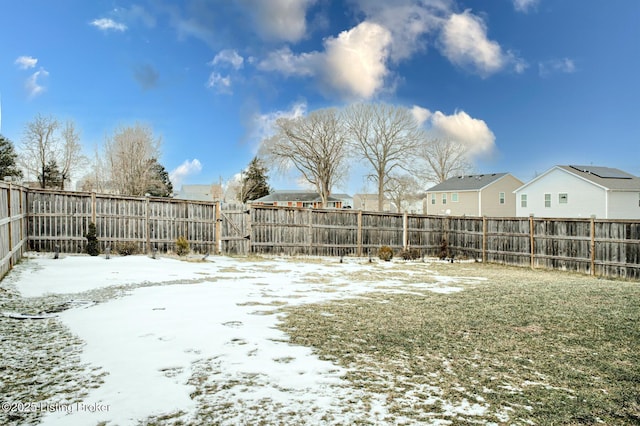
(32, 219)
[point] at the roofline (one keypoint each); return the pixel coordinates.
(482, 187)
(566, 171)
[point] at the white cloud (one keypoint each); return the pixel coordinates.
(184, 170)
(472, 132)
(420, 114)
(524, 5)
(464, 42)
(219, 83)
(356, 60)
(261, 126)
(106, 24)
(33, 84)
(280, 20)
(26, 62)
(565, 65)
(408, 22)
(353, 64)
(288, 63)
(230, 57)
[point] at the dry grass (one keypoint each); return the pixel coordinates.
(522, 347)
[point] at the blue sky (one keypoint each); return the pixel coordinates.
(527, 84)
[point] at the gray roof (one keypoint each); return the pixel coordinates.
(304, 196)
(467, 182)
(607, 177)
(207, 192)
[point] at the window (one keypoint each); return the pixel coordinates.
(547, 200)
(433, 198)
(454, 197)
(501, 197)
(563, 198)
(523, 200)
(444, 198)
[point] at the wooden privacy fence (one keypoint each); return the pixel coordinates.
(593, 246)
(44, 220)
(13, 236)
(61, 220)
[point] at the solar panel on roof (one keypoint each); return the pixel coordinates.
(603, 172)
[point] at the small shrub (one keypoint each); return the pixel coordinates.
(385, 253)
(127, 248)
(410, 254)
(444, 249)
(182, 246)
(92, 240)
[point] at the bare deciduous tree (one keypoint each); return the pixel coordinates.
(39, 144)
(402, 189)
(386, 137)
(129, 153)
(69, 154)
(442, 159)
(315, 145)
(45, 144)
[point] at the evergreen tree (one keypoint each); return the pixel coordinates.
(51, 175)
(254, 182)
(92, 240)
(159, 183)
(8, 159)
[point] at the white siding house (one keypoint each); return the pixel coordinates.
(580, 192)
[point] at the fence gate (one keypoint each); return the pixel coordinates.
(235, 229)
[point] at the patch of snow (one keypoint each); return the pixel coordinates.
(214, 324)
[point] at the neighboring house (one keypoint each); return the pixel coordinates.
(369, 202)
(286, 198)
(581, 191)
(411, 205)
(474, 195)
(211, 192)
(347, 200)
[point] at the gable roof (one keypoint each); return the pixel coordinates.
(467, 182)
(207, 192)
(605, 177)
(286, 195)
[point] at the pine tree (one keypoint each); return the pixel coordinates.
(8, 159)
(254, 182)
(51, 175)
(159, 182)
(92, 240)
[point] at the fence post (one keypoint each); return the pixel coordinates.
(484, 239)
(310, 231)
(532, 240)
(218, 229)
(593, 245)
(359, 234)
(405, 231)
(93, 207)
(147, 224)
(10, 225)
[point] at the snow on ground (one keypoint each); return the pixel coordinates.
(182, 339)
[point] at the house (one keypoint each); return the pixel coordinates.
(293, 198)
(581, 191)
(212, 192)
(474, 195)
(369, 202)
(347, 200)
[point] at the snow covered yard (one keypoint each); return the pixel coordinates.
(134, 340)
